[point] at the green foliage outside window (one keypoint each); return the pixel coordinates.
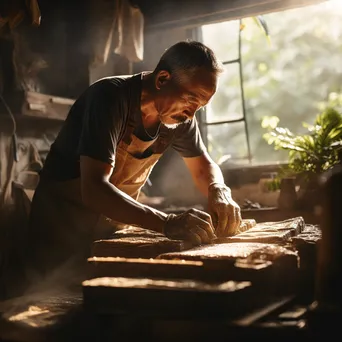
(315, 151)
(288, 78)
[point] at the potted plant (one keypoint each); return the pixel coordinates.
(310, 154)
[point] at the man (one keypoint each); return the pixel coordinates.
(113, 136)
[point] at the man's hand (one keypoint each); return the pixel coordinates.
(193, 225)
(225, 212)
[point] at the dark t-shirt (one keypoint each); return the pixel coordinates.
(97, 121)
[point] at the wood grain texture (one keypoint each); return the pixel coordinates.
(270, 232)
(176, 298)
(135, 247)
(232, 251)
(135, 242)
(139, 267)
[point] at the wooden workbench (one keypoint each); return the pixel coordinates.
(61, 317)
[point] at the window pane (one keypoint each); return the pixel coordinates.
(290, 76)
(293, 77)
(223, 39)
(227, 142)
(226, 104)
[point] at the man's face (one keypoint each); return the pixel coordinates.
(179, 97)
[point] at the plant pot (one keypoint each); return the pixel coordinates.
(309, 194)
(288, 197)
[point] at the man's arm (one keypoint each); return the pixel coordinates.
(204, 171)
(207, 176)
(103, 197)
(102, 123)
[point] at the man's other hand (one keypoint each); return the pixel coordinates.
(194, 226)
(224, 211)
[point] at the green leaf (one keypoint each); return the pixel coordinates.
(269, 122)
(261, 22)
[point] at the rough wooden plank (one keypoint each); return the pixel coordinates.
(311, 234)
(46, 106)
(149, 268)
(307, 245)
(277, 277)
(256, 271)
(131, 231)
(110, 295)
(135, 242)
(265, 237)
(270, 232)
(295, 225)
(135, 247)
(230, 252)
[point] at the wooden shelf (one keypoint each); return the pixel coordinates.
(46, 106)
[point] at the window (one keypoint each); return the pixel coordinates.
(287, 77)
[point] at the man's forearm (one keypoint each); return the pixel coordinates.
(209, 173)
(108, 200)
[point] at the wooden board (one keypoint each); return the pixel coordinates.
(307, 245)
(46, 106)
(224, 259)
(230, 252)
(179, 298)
(137, 232)
(149, 268)
(135, 242)
(311, 234)
(256, 271)
(269, 232)
(135, 247)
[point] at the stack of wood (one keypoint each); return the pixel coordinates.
(175, 298)
(259, 262)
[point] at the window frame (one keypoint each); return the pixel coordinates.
(196, 34)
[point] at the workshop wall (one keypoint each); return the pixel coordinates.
(53, 57)
(58, 57)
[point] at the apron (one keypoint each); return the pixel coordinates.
(132, 168)
(62, 228)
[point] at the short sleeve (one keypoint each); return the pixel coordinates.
(103, 122)
(188, 140)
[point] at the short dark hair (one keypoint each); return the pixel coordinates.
(189, 56)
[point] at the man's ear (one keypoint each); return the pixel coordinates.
(162, 78)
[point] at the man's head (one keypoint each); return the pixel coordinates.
(185, 80)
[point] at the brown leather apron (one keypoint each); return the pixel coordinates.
(62, 228)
